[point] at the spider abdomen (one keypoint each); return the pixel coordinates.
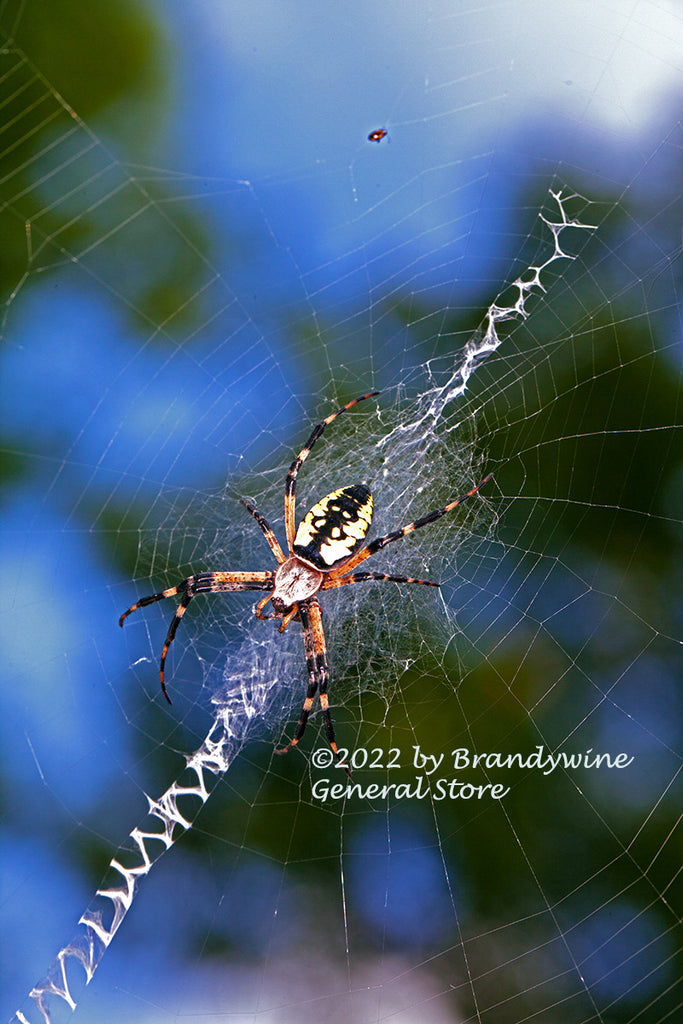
(335, 527)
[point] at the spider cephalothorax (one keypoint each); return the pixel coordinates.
(295, 581)
(322, 552)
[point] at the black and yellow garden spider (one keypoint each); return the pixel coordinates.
(322, 553)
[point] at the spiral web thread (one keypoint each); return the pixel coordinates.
(56, 995)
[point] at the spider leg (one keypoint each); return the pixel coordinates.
(208, 583)
(202, 583)
(267, 531)
(175, 622)
(360, 577)
(287, 618)
(318, 676)
(262, 604)
(389, 538)
(290, 484)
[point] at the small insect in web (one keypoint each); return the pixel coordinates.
(377, 135)
(322, 553)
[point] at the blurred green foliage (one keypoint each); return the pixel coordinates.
(85, 89)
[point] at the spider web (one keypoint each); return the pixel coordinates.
(204, 256)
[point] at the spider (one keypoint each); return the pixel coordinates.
(323, 551)
(377, 135)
